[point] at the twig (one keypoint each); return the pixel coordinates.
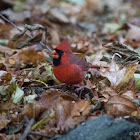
(48, 49)
(27, 130)
(40, 82)
(40, 134)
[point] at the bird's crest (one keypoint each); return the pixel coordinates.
(65, 46)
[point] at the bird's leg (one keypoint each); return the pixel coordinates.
(82, 91)
(68, 87)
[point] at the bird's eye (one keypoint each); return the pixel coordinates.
(59, 52)
(62, 52)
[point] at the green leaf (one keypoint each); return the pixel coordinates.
(2, 90)
(137, 80)
(17, 97)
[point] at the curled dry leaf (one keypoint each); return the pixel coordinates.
(17, 16)
(31, 110)
(55, 36)
(5, 106)
(47, 115)
(3, 136)
(120, 106)
(18, 95)
(3, 123)
(58, 15)
(32, 41)
(69, 111)
(50, 98)
(5, 77)
(133, 34)
(107, 92)
(129, 72)
(43, 73)
(29, 55)
(118, 77)
(6, 50)
(69, 114)
(129, 94)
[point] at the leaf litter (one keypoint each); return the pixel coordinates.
(32, 99)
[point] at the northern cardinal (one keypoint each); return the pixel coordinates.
(67, 67)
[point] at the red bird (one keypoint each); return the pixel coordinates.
(67, 67)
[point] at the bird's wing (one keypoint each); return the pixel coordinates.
(80, 62)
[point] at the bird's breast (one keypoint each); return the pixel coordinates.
(69, 74)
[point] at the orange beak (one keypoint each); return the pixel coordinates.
(54, 54)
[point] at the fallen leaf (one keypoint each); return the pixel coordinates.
(69, 111)
(3, 136)
(133, 34)
(117, 76)
(31, 110)
(50, 98)
(5, 77)
(129, 72)
(129, 94)
(3, 123)
(58, 15)
(49, 115)
(120, 106)
(6, 50)
(17, 16)
(18, 95)
(31, 55)
(108, 91)
(12, 61)
(8, 105)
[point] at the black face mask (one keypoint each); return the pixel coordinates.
(57, 62)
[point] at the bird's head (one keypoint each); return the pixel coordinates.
(59, 51)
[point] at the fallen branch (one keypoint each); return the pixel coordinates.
(27, 130)
(40, 134)
(48, 49)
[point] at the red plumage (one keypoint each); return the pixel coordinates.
(72, 69)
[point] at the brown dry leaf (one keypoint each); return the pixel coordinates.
(31, 110)
(9, 105)
(70, 113)
(97, 58)
(118, 77)
(133, 34)
(55, 37)
(120, 106)
(17, 16)
(8, 51)
(3, 123)
(12, 61)
(2, 65)
(31, 55)
(5, 77)
(50, 98)
(129, 72)
(80, 107)
(129, 94)
(63, 111)
(3, 137)
(108, 91)
(58, 15)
